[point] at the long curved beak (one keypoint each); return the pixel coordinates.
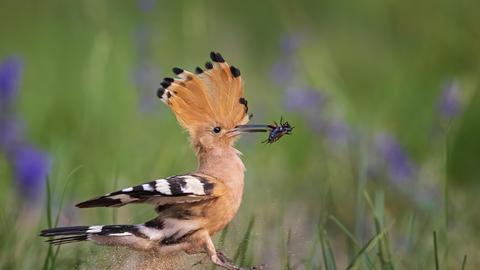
(248, 129)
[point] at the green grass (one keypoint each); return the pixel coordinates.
(240, 257)
(310, 201)
(437, 264)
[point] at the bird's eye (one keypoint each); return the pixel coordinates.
(217, 129)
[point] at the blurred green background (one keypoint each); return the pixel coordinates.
(383, 96)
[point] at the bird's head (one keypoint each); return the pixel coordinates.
(209, 103)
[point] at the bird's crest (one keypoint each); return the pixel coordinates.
(212, 95)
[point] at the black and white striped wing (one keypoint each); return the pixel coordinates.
(171, 190)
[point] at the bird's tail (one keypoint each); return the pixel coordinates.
(65, 235)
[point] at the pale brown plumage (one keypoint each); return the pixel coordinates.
(211, 106)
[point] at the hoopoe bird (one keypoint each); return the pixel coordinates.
(210, 104)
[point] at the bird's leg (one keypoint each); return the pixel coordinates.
(230, 265)
(225, 259)
(219, 259)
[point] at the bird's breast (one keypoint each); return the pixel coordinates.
(222, 210)
(227, 167)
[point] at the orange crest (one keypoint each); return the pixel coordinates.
(212, 96)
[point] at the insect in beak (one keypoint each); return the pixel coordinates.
(275, 130)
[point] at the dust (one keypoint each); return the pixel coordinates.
(119, 258)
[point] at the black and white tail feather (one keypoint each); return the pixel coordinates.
(172, 226)
(83, 233)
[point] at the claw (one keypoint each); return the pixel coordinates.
(228, 264)
(223, 257)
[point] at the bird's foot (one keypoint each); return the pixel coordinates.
(225, 262)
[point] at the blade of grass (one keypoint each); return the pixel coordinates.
(311, 254)
(410, 232)
(360, 158)
(64, 191)
(350, 235)
(49, 203)
(464, 263)
(115, 210)
(240, 254)
(324, 251)
(333, 263)
(327, 253)
(365, 249)
(345, 230)
(8, 238)
(435, 249)
(321, 229)
(49, 255)
(446, 194)
(377, 209)
(60, 207)
(287, 264)
(223, 236)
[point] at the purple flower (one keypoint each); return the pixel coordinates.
(146, 80)
(304, 99)
(282, 72)
(143, 38)
(30, 170)
(290, 43)
(310, 104)
(449, 103)
(29, 165)
(146, 5)
(10, 73)
(400, 167)
(145, 73)
(338, 131)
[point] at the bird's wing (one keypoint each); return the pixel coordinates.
(171, 190)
